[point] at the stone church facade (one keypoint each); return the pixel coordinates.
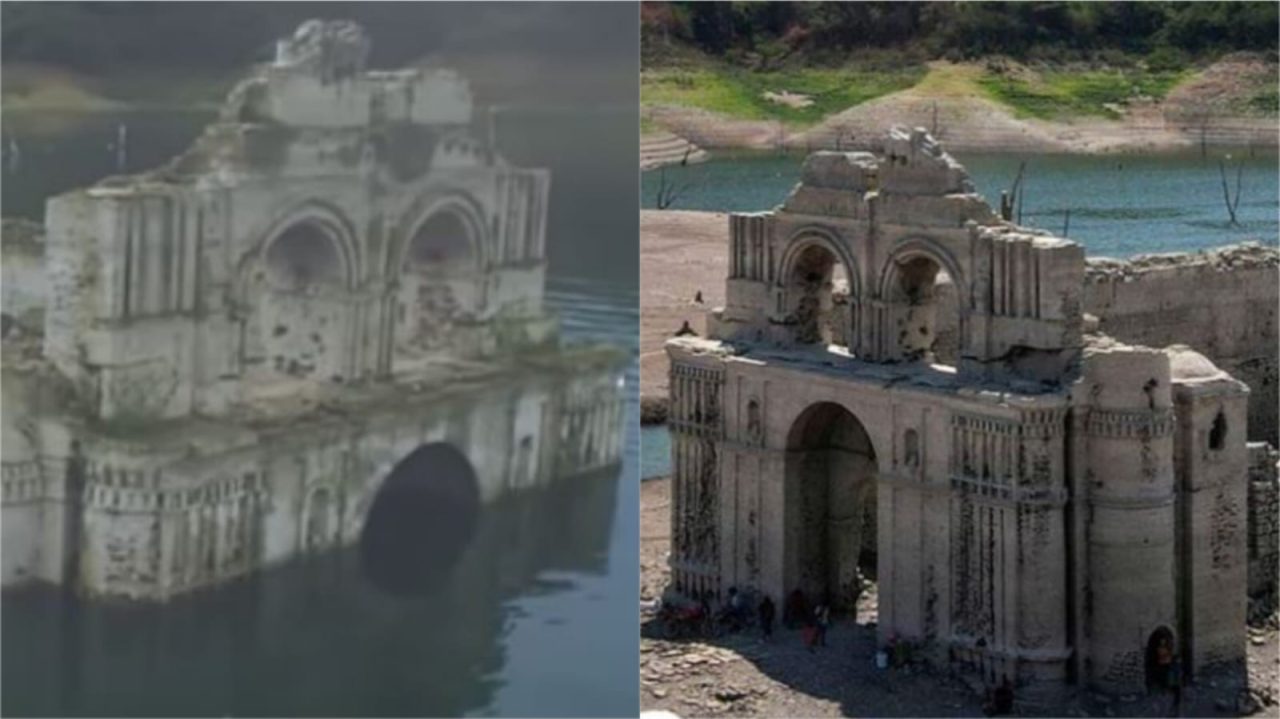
(1045, 507)
(241, 347)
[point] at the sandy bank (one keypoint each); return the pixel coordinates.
(682, 253)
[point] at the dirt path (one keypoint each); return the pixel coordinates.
(743, 675)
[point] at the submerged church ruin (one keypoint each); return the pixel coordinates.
(285, 334)
(1046, 505)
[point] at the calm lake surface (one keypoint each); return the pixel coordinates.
(1120, 206)
(538, 617)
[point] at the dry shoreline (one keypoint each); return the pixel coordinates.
(682, 253)
(743, 675)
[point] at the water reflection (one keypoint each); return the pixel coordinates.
(314, 637)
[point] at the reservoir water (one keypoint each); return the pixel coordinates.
(1120, 205)
(538, 617)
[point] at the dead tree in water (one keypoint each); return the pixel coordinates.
(668, 193)
(1013, 198)
(1230, 202)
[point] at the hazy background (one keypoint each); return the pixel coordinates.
(540, 616)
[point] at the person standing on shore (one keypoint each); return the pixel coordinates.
(822, 620)
(767, 610)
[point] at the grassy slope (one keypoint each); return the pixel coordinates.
(739, 93)
(1056, 94)
(702, 82)
(29, 87)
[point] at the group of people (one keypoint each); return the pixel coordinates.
(735, 615)
(815, 623)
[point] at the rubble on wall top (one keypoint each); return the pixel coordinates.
(19, 236)
(1247, 255)
(329, 48)
(1015, 233)
(906, 161)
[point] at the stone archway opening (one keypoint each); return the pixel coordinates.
(440, 243)
(819, 297)
(297, 305)
(925, 326)
(303, 257)
(831, 511)
(439, 285)
(1159, 655)
(421, 521)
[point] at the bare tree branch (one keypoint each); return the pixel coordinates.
(1226, 192)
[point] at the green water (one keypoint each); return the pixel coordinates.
(1119, 205)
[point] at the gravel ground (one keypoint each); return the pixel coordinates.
(743, 675)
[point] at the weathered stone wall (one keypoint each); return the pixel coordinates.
(169, 510)
(1264, 525)
(1222, 303)
(22, 286)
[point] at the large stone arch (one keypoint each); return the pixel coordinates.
(293, 294)
(329, 222)
(906, 290)
(433, 205)
(806, 295)
(827, 238)
(437, 275)
(831, 472)
(420, 518)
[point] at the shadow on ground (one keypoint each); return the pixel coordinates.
(742, 674)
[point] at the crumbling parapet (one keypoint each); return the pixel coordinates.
(1223, 302)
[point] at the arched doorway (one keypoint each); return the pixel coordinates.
(925, 299)
(1159, 657)
(830, 496)
(439, 284)
(914, 294)
(819, 297)
(297, 303)
(421, 520)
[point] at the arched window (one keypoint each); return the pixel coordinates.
(305, 255)
(911, 448)
(443, 241)
(1218, 432)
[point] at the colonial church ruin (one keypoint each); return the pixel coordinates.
(335, 293)
(1035, 500)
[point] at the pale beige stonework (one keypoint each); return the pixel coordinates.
(240, 347)
(1040, 507)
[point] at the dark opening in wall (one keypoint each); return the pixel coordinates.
(442, 242)
(421, 521)
(1218, 433)
(303, 256)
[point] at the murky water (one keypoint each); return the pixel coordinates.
(1120, 205)
(537, 617)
